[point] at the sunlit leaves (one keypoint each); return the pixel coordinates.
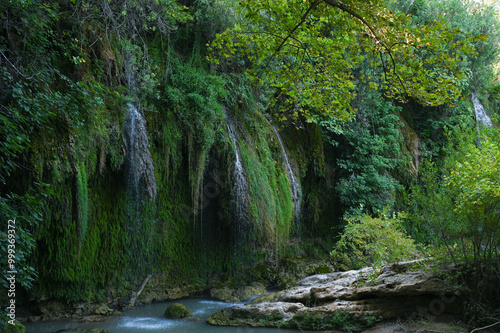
(308, 51)
(477, 177)
(373, 241)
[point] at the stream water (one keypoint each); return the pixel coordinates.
(149, 318)
(294, 185)
(483, 120)
(240, 182)
(141, 168)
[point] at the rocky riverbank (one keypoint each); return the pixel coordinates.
(351, 300)
(159, 288)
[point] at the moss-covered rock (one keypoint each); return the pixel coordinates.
(177, 311)
(247, 292)
(224, 294)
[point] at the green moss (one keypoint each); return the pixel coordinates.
(17, 327)
(82, 202)
(93, 236)
(177, 311)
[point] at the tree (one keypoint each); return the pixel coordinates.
(476, 180)
(307, 51)
(456, 210)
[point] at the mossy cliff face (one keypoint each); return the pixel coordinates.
(96, 234)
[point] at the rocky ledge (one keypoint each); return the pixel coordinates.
(350, 300)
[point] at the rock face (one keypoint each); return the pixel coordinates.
(357, 298)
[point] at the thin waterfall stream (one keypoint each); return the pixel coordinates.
(240, 181)
(141, 175)
(294, 185)
(482, 117)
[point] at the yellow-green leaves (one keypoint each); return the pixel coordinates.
(477, 177)
(309, 50)
(373, 241)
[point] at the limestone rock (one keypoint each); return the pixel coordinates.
(329, 301)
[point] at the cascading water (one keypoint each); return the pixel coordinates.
(481, 116)
(240, 181)
(294, 185)
(141, 169)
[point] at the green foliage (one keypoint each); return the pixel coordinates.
(270, 203)
(476, 19)
(318, 321)
(194, 96)
(369, 153)
(457, 206)
(455, 209)
(470, 18)
(307, 51)
(373, 241)
(127, 17)
(26, 212)
(83, 202)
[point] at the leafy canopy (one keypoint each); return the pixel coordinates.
(308, 51)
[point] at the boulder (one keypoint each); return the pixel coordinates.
(347, 300)
(177, 311)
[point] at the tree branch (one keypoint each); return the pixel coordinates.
(302, 20)
(343, 7)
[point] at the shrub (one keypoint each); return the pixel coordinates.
(373, 241)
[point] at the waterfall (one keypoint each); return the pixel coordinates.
(482, 117)
(141, 175)
(294, 185)
(240, 181)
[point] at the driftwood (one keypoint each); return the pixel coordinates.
(136, 294)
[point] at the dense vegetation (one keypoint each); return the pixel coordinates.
(371, 100)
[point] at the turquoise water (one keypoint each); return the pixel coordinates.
(149, 318)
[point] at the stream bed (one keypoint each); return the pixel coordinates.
(149, 318)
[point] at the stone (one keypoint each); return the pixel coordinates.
(247, 292)
(358, 298)
(177, 311)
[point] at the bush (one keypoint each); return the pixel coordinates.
(373, 241)
(456, 210)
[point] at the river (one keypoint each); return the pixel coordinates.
(149, 318)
